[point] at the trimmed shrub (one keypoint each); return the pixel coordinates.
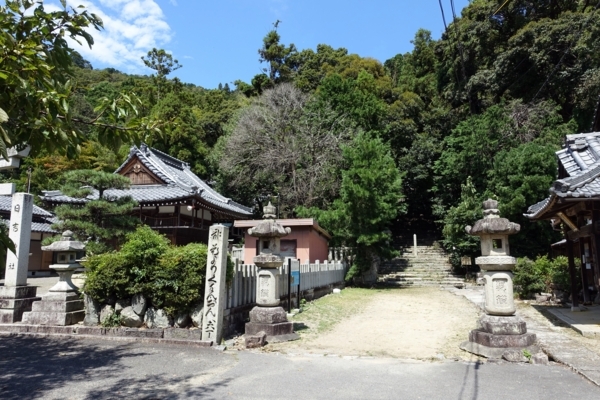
(122, 274)
(177, 282)
(171, 277)
(542, 275)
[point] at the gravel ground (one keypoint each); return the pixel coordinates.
(416, 323)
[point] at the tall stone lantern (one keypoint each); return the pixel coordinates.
(267, 316)
(499, 329)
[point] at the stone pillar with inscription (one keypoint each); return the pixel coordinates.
(215, 294)
(15, 296)
(499, 329)
(267, 316)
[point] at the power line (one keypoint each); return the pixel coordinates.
(462, 56)
(500, 8)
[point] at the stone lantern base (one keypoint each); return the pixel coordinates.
(62, 305)
(14, 301)
(498, 334)
(273, 322)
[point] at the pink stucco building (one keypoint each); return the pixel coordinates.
(307, 241)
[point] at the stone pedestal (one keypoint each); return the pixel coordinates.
(273, 322)
(62, 305)
(14, 301)
(498, 334)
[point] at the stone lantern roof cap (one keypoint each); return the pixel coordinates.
(492, 223)
(66, 243)
(269, 228)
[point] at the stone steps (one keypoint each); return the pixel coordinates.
(430, 268)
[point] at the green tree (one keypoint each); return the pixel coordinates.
(278, 57)
(163, 63)
(369, 202)
(37, 82)
(104, 219)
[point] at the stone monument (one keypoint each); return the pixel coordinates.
(215, 294)
(267, 316)
(62, 305)
(15, 296)
(499, 329)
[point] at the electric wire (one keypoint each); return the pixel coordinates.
(462, 56)
(500, 8)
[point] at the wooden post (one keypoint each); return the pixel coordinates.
(575, 300)
(584, 282)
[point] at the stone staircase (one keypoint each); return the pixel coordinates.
(430, 267)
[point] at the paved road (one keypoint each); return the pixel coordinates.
(40, 368)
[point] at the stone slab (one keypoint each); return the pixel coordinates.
(282, 328)
(587, 322)
(53, 318)
(50, 329)
(255, 341)
(17, 292)
(20, 304)
(57, 306)
(183, 334)
(501, 341)
(494, 352)
(510, 325)
(143, 333)
(283, 338)
(19, 231)
(268, 315)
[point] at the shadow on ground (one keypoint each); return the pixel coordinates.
(33, 367)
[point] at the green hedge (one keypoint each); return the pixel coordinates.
(541, 275)
(171, 277)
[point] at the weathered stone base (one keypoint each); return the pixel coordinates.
(61, 308)
(272, 321)
(501, 341)
(14, 301)
(494, 352)
(500, 336)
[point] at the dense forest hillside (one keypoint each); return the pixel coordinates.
(477, 113)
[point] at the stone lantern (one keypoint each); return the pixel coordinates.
(62, 305)
(267, 316)
(499, 329)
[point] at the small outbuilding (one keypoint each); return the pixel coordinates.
(307, 241)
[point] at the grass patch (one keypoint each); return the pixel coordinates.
(323, 314)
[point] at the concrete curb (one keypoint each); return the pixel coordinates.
(109, 334)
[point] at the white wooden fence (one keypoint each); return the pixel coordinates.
(242, 290)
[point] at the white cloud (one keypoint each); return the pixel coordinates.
(131, 29)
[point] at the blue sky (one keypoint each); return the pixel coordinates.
(216, 41)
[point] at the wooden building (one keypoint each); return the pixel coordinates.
(574, 207)
(171, 198)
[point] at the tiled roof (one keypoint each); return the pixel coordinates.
(6, 204)
(42, 227)
(180, 183)
(580, 158)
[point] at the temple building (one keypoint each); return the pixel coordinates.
(574, 204)
(171, 198)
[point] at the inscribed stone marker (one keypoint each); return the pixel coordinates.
(20, 233)
(215, 289)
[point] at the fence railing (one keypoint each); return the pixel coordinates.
(242, 290)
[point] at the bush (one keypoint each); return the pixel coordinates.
(528, 278)
(178, 279)
(171, 277)
(542, 275)
(122, 274)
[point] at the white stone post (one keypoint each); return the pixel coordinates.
(415, 245)
(215, 290)
(15, 296)
(20, 233)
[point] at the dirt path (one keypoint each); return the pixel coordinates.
(420, 323)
